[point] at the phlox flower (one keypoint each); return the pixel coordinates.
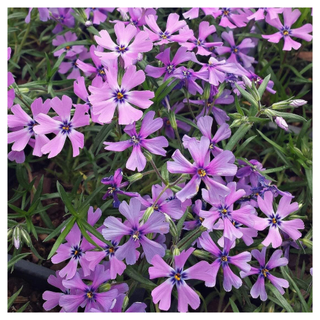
(135, 307)
(98, 15)
(115, 185)
(177, 276)
(111, 95)
(17, 156)
(63, 17)
(23, 126)
(44, 14)
(169, 65)
(127, 50)
(71, 51)
(173, 25)
(188, 79)
(137, 140)
(63, 126)
(167, 203)
(281, 123)
(263, 272)
(223, 209)
(197, 221)
(286, 32)
(202, 168)
(231, 17)
(275, 220)
(251, 172)
(194, 12)
(262, 13)
(88, 295)
(136, 231)
(223, 260)
(237, 52)
(200, 43)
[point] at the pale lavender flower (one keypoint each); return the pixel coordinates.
(281, 123)
(194, 12)
(262, 13)
(71, 51)
(63, 17)
(232, 17)
(97, 15)
(44, 14)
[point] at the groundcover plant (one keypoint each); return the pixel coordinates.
(160, 159)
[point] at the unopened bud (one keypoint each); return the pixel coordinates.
(26, 237)
(147, 154)
(269, 113)
(135, 177)
(280, 105)
(147, 213)
(297, 103)
(16, 237)
(202, 254)
(105, 287)
(173, 227)
(24, 90)
(247, 81)
(9, 233)
(255, 93)
(88, 23)
(125, 303)
(206, 91)
(281, 123)
(236, 123)
(172, 119)
(176, 251)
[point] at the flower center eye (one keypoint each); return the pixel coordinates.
(265, 271)
(119, 95)
(89, 295)
(211, 146)
(224, 258)
(170, 68)
(66, 128)
(111, 250)
(135, 140)
(201, 172)
(201, 219)
(102, 72)
(67, 47)
(224, 211)
(274, 221)
(136, 235)
(177, 276)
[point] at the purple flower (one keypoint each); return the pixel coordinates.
(285, 31)
(223, 209)
(251, 172)
(169, 65)
(188, 77)
(135, 307)
(115, 187)
(275, 221)
(154, 145)
(197, 222)
(232, 17)
(224, 259)
(194, 12)
(281, 123)
(262, 13)
(173, 25)
(177, 276)
(62, 126)
(200, 43)
(17, 156)
(99, 15)
(71, 51)
(123, 48)
(238, 52)
(44, 14)
(88, 295)
(263, 271)
(137, 232)
(23, 126)
(167, 203)
(202, 168)
(111, 95)
(63, 17)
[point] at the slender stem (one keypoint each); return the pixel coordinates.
(22, 43)
(157, 171)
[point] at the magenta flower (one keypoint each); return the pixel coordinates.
(88, 295)
(123, 48)
(238, 52)
(98, 14)
(285, 31)
(232, 17)
(275, 221)
(252, 173)
(177, 276)
(173, 25)
(197, 221)
(188, 79)
(62, 126)
(137, 231)
(202, 168)
(223, 209)
(17, 156)
(169, 65)
(194, 12)
(23, 126)
(111, 95)
(115, 187)
(154, 145)
(135, 307)
(44, 14)
(262, 13)
(224, 259)
(167, 203)
(263, 271)
(63, 17)
(71, 51)
(200, 43)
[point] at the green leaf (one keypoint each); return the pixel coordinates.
(13, 297)
(62, 236)
(272, 143)
(133, 274)
(239, 109)
(185, 120)
(263, 85)
(16, 258)
(190, 237)
(65, 198)
(23, 307)
(73, 43)
(57, 230)
(238, 135)
(244, 144)
(16, 209)
(280, 300)
(164, 89)
(289, 116)
(247, 96)
(94, 232)
(233, 305)
(181, 222)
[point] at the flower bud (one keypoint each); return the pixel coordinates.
(88, 23)
(297, 103)
(176, 251)
(147, 213)
(105, 287)
(202, 254)
(255, 93)
(247, 81)
(147, 154)
(281, 123)
(125, 303)
(269, 113)
(9, 233)
(206, 91)
(173, 227)
(135, 177)
(236, 123)
(172, 119)
(24, 90)
(16, 237)
(26, 237)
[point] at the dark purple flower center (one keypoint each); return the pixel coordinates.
(224, 212)
(235, 49)
(90, 294)
(65, 127)
(201, 172)
(67, 48)
(236, 224)
(170, 68)
(224, 258)
(226, 12)
(264, 271)
(135, 140)
(274, 220)
(134, 23)
(120, 96)
(61, 18)
(76, 252)
(186, 74)
(212, 144)
(198, 42)
(122, 49)
(256, 79)
(285, 31)
(136, 234)
(74, 64)
(31, 125)
(164, 35)
(110, 250)
(101, 72)
(177, 276)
